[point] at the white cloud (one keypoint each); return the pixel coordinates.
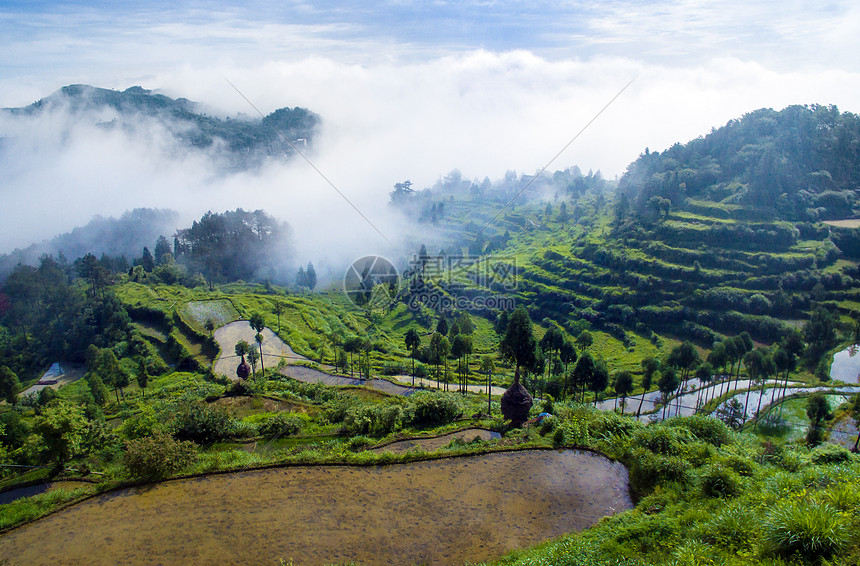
(400, 108)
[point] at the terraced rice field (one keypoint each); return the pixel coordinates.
(438, 512)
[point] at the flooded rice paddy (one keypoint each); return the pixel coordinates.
(439, 512)
(846, 365)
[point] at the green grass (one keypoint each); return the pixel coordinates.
(198, 313)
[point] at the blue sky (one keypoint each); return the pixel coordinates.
(412, 89)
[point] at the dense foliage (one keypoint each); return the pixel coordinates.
(801, 163)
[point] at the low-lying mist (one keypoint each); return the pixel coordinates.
(482, 113)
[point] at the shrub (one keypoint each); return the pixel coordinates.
(734, 527)
(392, 368)
(202, 423)
(280, 424)
(661, 439)
(157, 456)
(434, 409)
(378, 419)
(708, 429)
(808, 530)
(336, 409)
(719, 481)
(649, 470)
(604, 424)
(574, 432)
(141, 424)
(743, 466)
(830, 454)
(547, 425)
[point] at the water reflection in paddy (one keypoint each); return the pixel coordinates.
(846, 365)
(440, 512)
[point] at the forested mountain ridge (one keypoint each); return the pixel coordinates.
(689, 246)
(184, 119)
(116, 237)
(799, 163)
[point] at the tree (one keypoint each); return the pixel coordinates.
(453, 330)
(412, 340)
(754, 362)
(599, 380)
(107, 367)
(278, 310)
(730, 413)
(142, 377)
(718, 359)
(854, 411)
(501, 324)
(551, 343)
(464, 322)
(768, 368)
(623, 385)
(567, 355)
(518, 345)
(704, 373)
(253, 358)
(667, 383)
(146, 260)
(257, 323)
(584, 339)
(819, 332)
(162, 248)
(487, 366)
(458, 350)
(439, 349)
(242, 348)
(684, 357)
(97, 388)
(9, 385)
(581, 374)
(311, 276)
(442, 326)
(563, 215)
(61, 427)
(818, 411)
(209, 326)
(649, 367)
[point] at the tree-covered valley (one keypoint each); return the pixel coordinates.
(681, 320)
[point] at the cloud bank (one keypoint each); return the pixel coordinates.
(495, 89)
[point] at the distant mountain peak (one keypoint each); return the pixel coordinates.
(246, 142)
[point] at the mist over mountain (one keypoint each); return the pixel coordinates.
(241, 141)
(115, 237)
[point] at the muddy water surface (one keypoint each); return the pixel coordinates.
(440, 512)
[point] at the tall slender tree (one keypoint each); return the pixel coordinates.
(649, 367)
(278, 310)
(623, 385)
(257, 323)
(412, 340)
(487, 366)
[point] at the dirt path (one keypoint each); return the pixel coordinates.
(71, 373)
(274, 349)
(310, 375)
(431, 384)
